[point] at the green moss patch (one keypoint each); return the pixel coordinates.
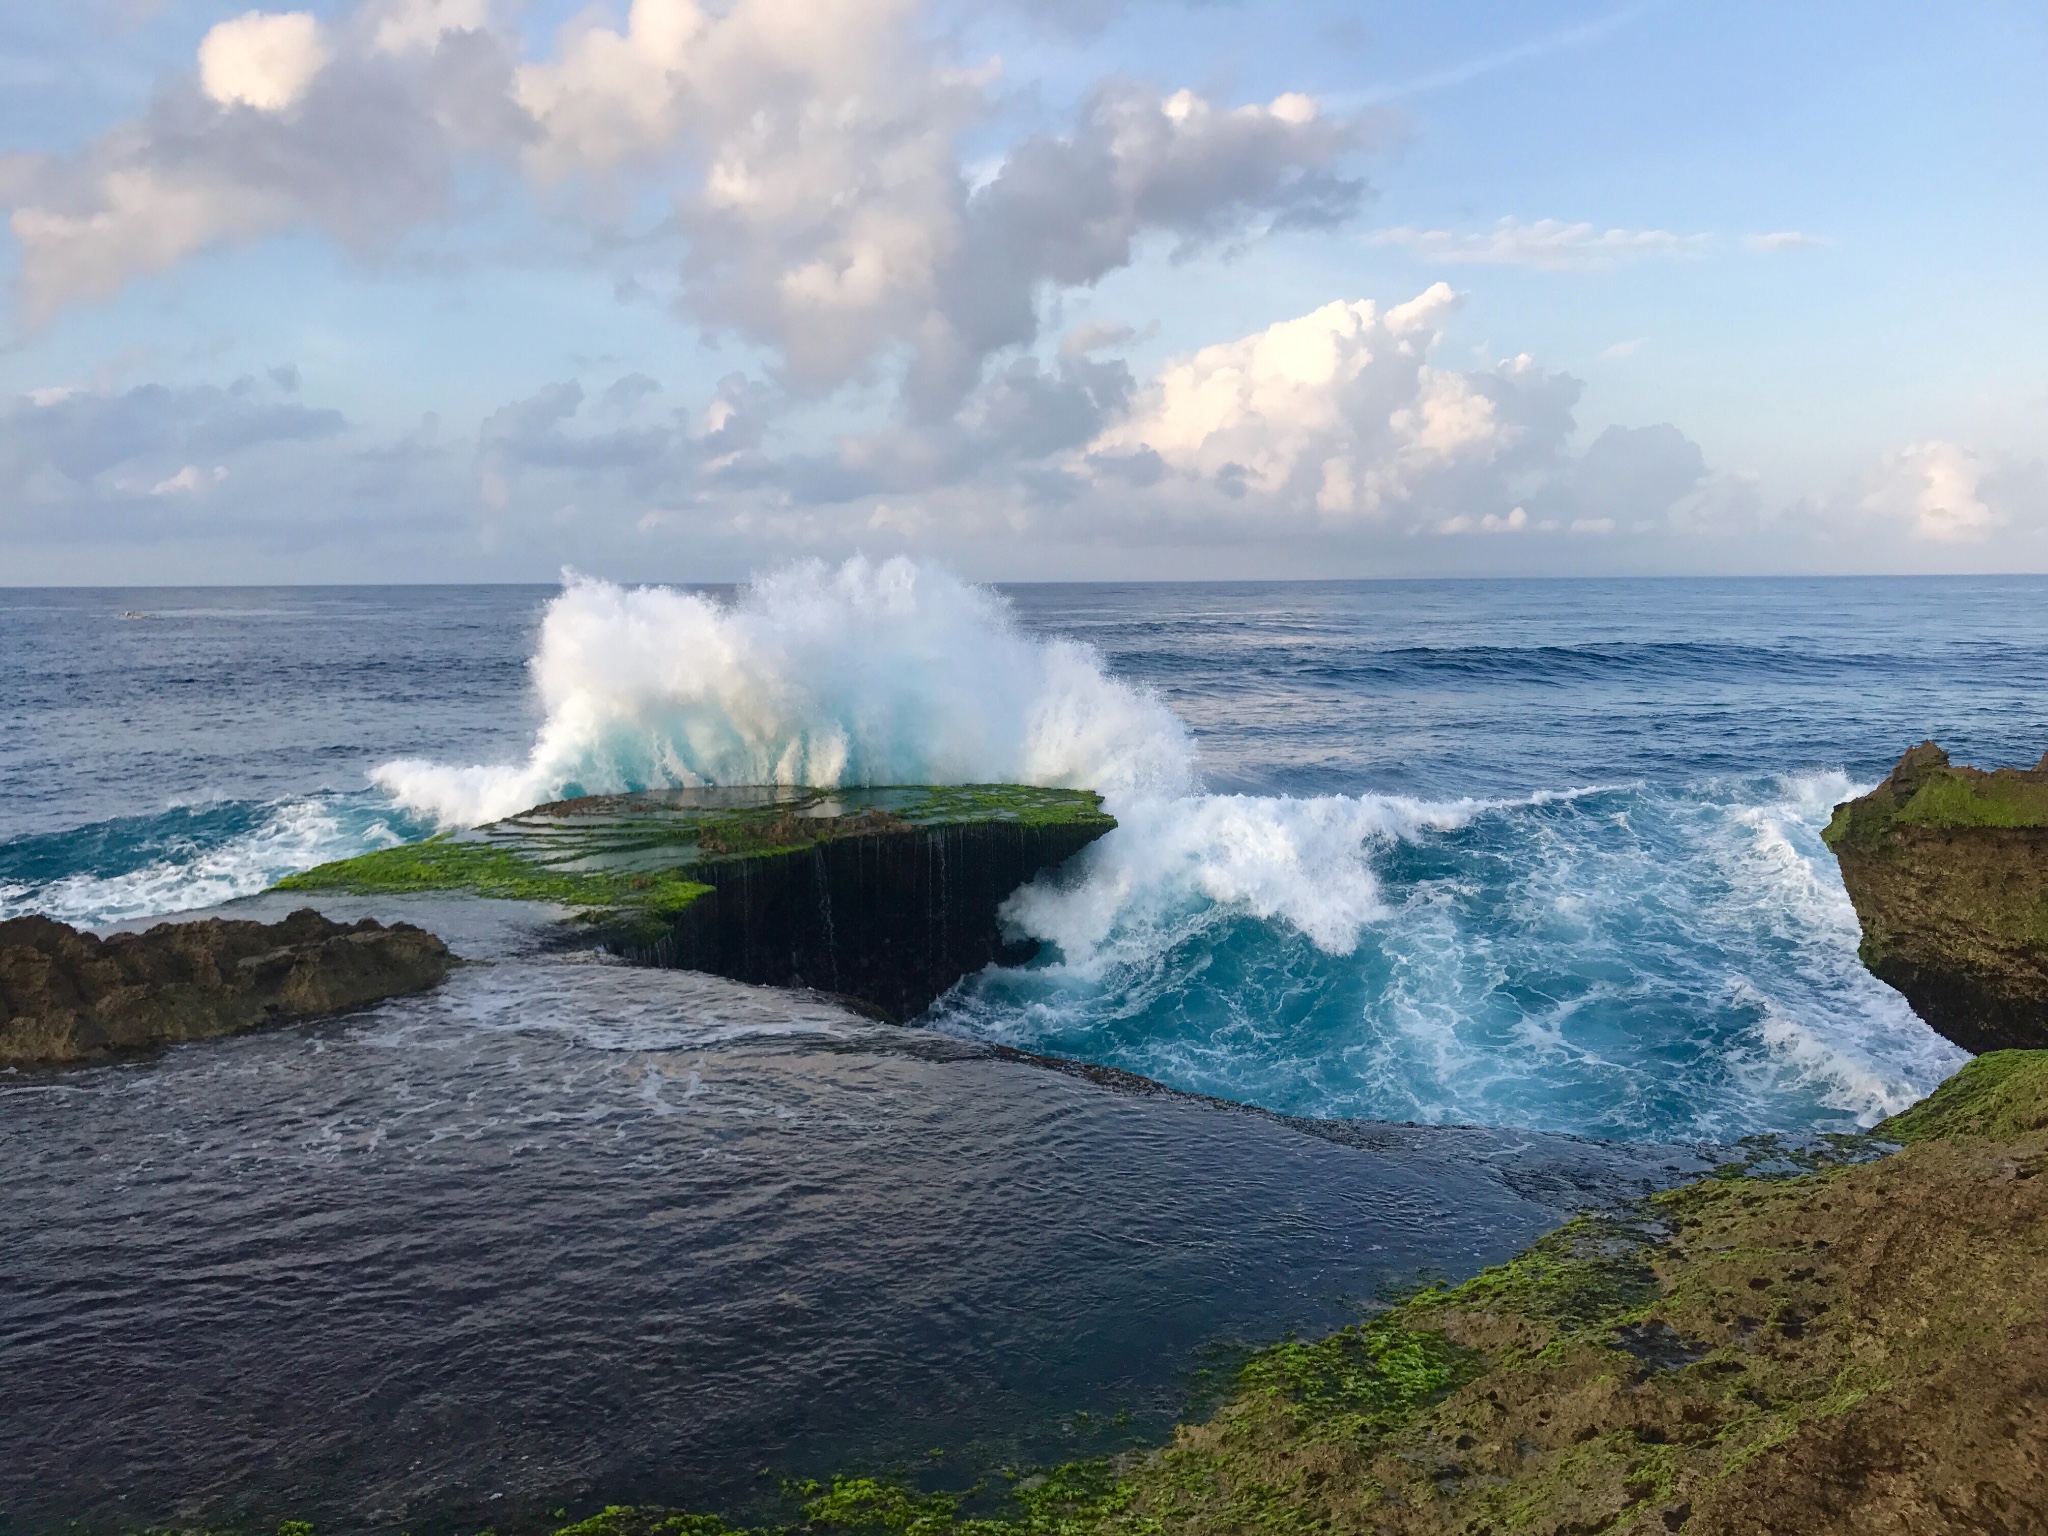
(485, 869)
(1962, 797)
(2000, 1095)
(639, 855)
(1925, 790)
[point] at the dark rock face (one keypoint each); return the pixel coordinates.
(67, 996)
(1948, 868)
(891, 916)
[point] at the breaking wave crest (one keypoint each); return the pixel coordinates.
(892, 673)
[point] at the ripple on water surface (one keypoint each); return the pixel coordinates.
(565, 1230)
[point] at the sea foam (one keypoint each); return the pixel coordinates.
(890, 673)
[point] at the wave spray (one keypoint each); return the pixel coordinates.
(891, 673)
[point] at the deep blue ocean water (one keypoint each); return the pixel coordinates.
(1519, 853)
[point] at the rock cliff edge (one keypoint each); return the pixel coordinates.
(1948, 868)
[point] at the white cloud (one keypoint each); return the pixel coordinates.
(1338, 410)
(1785, 240)
(189, 481)
(134, 219)
(288, 124)
(1935, 504)
(1516, 521)
(1629, 348)
(262, 61)
(398, 26)
(1936, 490)
(812, 148)
(1547, 244)
(79, 445)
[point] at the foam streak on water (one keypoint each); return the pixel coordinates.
(189, 856)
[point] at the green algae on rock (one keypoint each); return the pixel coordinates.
(68, 997)
(887, 895)
(1948, 869)
(1857, 1350)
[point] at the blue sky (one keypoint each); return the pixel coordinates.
(437, 290)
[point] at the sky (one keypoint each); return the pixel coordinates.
(678, 290)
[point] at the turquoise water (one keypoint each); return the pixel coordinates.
(1537, 854)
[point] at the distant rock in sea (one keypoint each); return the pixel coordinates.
(1948, 868)
(69, 997)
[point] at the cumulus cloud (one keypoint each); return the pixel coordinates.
(1339, 423)
(1547, 244)
(1340, 416)
(1006, 438)
(283, 125)
(1941, 492)
(552, 441)
(260, 61)
(1067, 209)
(812, 149)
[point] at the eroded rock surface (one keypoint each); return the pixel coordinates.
(67, 996)
(1948, 868)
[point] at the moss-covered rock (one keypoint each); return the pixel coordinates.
(67, 996)
(885, 895)
(1856, 1351)
(1948, 868)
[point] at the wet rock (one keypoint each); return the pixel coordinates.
(67, 996)
(1948, 868)
(884, 896)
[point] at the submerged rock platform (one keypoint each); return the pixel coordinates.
(1948, 869)
(70, 997)
(884, 895)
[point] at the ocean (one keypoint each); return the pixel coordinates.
(1541, 859)
(1537, 854)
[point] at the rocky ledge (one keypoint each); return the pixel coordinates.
(887, 896)
(1948, 868)
(67, 996)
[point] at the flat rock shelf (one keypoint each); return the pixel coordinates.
(884, 895)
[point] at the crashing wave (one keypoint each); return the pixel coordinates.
(891, 673)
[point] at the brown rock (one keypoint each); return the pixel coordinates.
(1948, 868)
(67, 996)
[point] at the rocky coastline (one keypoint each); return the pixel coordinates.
(70, 998)
(1948, 870)
(1849, 1337)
